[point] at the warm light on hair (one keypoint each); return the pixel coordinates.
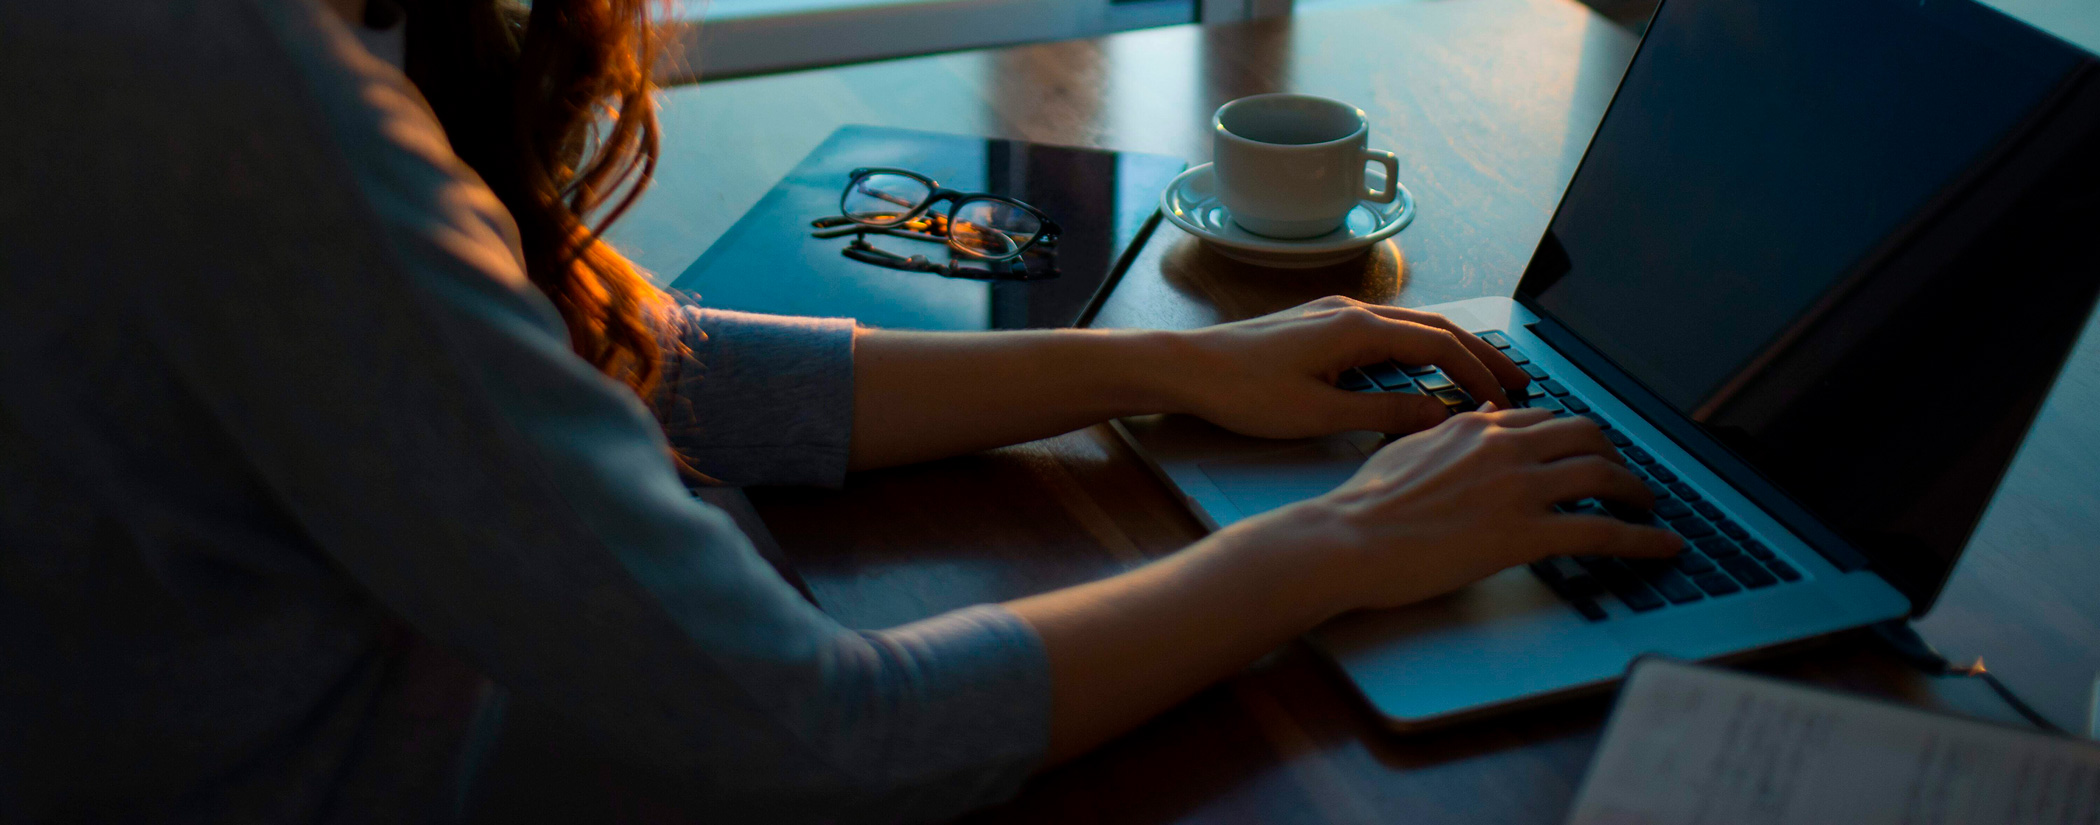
(551, 106)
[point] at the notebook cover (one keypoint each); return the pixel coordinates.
(1107, 202)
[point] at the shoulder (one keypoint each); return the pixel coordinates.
(167, 69)
(170, 110)
(230, 141)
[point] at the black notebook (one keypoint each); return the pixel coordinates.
(1106, 202)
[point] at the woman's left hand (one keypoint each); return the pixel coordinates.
(1273, 376)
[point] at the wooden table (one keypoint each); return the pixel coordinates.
(1489, 104)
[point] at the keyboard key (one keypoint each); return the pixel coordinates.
(1718, 547)
(1638, 455)
(1638, 596)
(1758, 550)
(1534, 391)
(1543, 404)
(1457, 401)
(1534, 371)
(1707, 509)
(1629, 513)
(1556, 569)
(1674, 587)
(1615, 574)
(1617, 439)
(1354, 381)
(1685, 491)
(1553, 387)
(1664, 475)
(1435, 381)
(1418, 369)
(1516, 356)
(1784, 571)
(1716, 583)
(1408, 388)
(1495, 339)
(1672, 509)
(1594, 418)
(1656, 487)
(1570, 580)
(1588, 609)
(1750, 573)
(1691, 563)
(1731, 529)
(1387, 376)
(1692, 527)
(1575, 404)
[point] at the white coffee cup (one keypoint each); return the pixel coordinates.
(1292, 166)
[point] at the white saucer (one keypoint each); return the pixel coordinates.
(1191, 202)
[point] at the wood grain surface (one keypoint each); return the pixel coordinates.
(1489, 104)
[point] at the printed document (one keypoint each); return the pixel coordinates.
(1690, 745)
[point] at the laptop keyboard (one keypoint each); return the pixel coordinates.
(1721, 557)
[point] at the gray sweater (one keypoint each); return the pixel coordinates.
(298, 473)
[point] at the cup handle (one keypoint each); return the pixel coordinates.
(1392, 176)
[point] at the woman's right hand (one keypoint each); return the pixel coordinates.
(1442, 508)
(1426, 515)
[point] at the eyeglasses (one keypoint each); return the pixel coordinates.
(981, 226)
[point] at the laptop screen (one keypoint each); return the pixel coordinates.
(1850, 241)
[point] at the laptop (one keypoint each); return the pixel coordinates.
(1815, 275)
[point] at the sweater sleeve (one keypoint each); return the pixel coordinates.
(373, 349)
(759, 399)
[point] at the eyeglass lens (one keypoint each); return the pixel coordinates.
(883, 199)
(993, 229)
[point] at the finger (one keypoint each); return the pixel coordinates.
(1505, 371)
(1553, 439)
(1514, 417)
(1413, 343)
(1386, 412)
(1576, 535)
(1491, 417)
(1590, 476)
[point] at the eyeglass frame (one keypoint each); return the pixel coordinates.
(1045, 236)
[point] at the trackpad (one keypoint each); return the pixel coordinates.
(1262, 482)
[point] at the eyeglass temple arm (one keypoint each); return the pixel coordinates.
(1008, 270)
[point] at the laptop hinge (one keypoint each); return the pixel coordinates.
(1718, 458)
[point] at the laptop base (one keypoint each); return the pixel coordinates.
(1508, 641)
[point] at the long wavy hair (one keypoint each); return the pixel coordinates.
(551, 104)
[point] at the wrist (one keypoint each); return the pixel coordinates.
(1302, 559)
(1163, 369)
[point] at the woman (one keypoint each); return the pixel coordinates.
(326, 423)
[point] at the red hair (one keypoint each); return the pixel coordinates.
(551, 106)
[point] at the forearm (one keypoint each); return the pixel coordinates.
(1125, 648)
(925, 395)
(921, 395)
